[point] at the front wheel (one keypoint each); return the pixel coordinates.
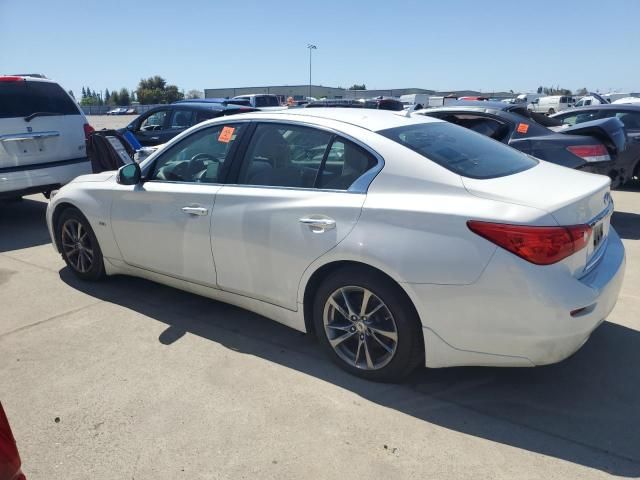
(79, 245)
(367, 325)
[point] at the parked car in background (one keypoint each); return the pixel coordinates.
(262, 101)
(593, 147)
(591, 99)
(10, 463)
(221, 101)
(627, 101)
(42, 136)
(399, 240)
(527, 98)
(629, 114)
(118, 111)
(415, 100)
(161, 124)
(381, 103)
(551, 104)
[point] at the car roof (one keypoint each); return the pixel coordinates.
(255, 95)
(374, 120)
(606, 106)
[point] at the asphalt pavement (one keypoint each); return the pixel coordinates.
(127, 379)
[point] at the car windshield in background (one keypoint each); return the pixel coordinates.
(462, 151)
(22, 98)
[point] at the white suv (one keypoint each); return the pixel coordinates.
(42, 136)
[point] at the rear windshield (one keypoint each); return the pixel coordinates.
(462, 151)
(267, 101)
(22, 98)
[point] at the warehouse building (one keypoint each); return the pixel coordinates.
(298, 92)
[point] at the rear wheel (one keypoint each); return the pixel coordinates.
(79, 245)
(367, 325)
(551, 111)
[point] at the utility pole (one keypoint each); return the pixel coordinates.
(310, 47)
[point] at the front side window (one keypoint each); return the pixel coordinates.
(155, 121)
(460, 150)
(201, 157)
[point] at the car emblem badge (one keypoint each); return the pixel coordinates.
(29, 129)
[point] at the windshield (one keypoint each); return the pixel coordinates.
(460, 150)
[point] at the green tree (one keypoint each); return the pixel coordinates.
(194, 94)
(115, 98)
(107, 96)
(539, 89)
(155, 90)
(123, 97)
(355, 86)
(70, 92)
(582, 91)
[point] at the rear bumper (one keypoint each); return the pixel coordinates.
(21, 180)
(517, 314)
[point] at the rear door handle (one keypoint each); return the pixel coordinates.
(195, 210)
(318, 224)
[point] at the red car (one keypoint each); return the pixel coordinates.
(9, 457)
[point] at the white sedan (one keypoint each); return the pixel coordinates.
(398, 241)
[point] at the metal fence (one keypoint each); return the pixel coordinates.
(103, 109)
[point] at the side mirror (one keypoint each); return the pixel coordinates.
(129, 174)
(131, 127)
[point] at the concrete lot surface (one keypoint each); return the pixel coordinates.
(110, 121)
(127, 379)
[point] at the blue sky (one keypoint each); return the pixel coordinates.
(439, 45)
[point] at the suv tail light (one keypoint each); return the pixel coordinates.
(591, 153)
(10, 78)
(9, 458)
(539, 245)
(88, 130)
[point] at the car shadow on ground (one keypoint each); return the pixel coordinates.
(627, 225)
(22, 224)
(584, 410)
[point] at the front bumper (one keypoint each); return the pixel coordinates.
(517, 314)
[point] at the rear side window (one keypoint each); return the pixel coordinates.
(460, 150)
(267, 102)
(22, 98)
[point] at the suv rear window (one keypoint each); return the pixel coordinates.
(461, 151)
(22, 98)
(267, 101)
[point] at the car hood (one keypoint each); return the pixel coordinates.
(95, 177)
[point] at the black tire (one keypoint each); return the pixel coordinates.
(409, 348)
(94, 270)
(551, 111)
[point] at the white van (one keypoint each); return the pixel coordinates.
(42, 136)
(551, 104)
(527, 98)
(419, 100)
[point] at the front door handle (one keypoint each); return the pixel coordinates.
(318, 224)
(195, 210)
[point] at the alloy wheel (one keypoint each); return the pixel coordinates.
(76, 244)
(360, 328)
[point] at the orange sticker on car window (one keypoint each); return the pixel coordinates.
(226, 134)
(522, 128)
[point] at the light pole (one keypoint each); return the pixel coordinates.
(310, 47)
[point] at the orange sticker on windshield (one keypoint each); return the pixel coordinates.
(522, 128)
(226, 134)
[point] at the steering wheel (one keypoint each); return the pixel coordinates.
(197, 166)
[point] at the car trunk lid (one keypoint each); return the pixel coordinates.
(571, 197)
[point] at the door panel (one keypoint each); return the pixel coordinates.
(154, 232)
(264, 238)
